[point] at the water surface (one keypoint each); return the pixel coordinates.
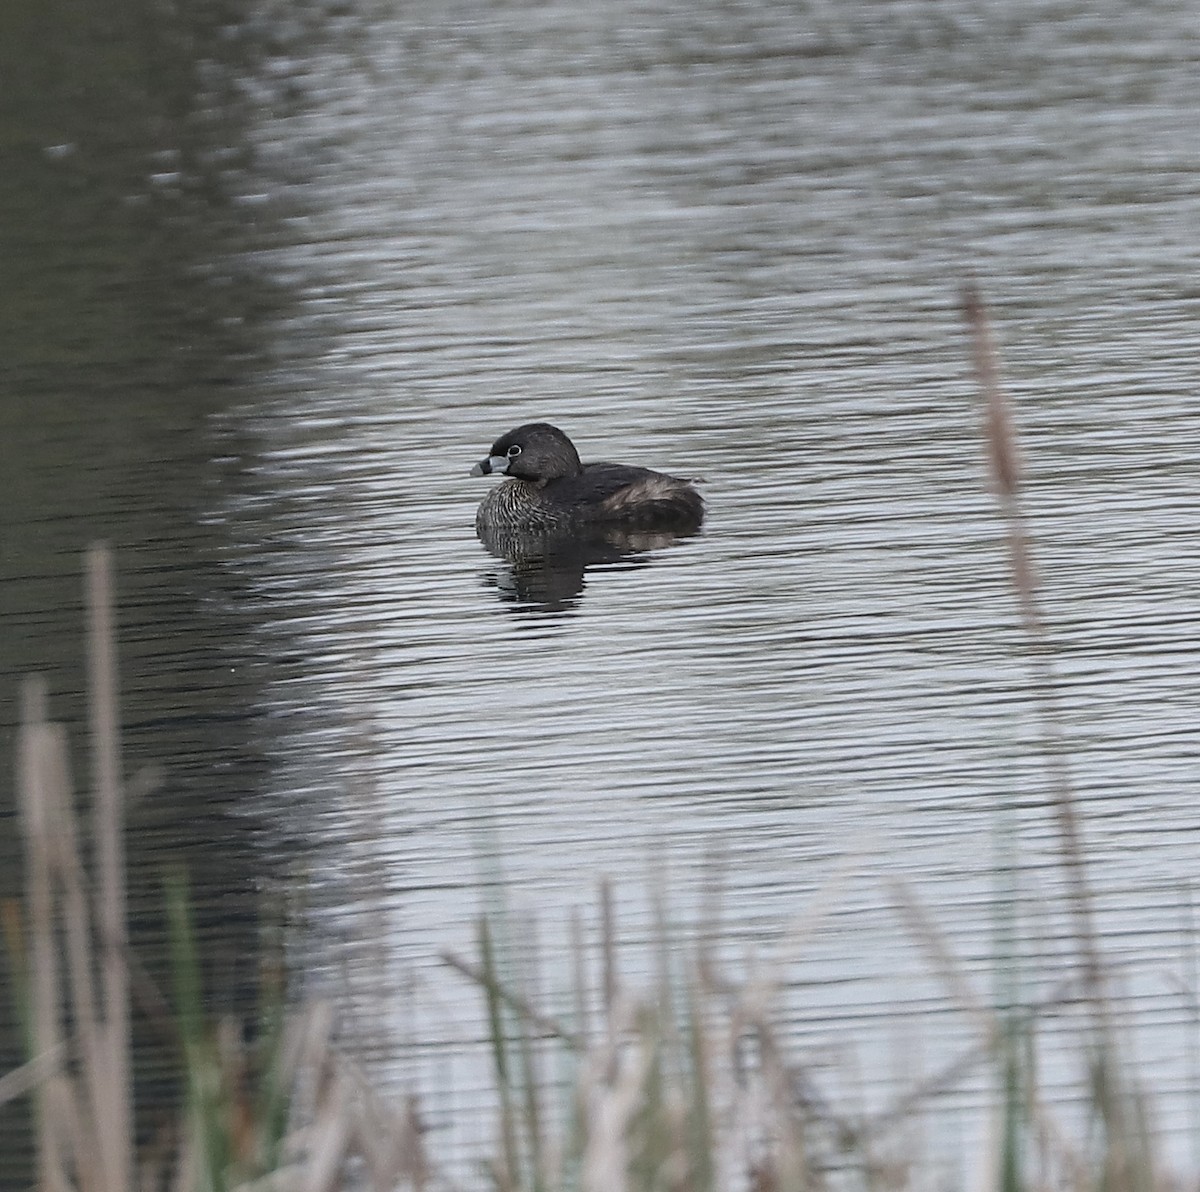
(725, 242)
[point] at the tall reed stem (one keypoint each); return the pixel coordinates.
(108, 831)
(1004, 463)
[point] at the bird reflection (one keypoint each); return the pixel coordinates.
(547, 573)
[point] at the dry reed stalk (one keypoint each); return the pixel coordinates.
(63, 1122)
(93, 1082)
(519, 1004)
(84, 1124)
(115, 1109)
(612, 1081)
(391, 1140)
(83, 1135)
(1000, 437)
(937, 949)
(20, 1082)
(1003, 453)
(39, 901)
(345, 1123)
(608, 935)
(581, 986)
(1004, 464)
(992, 1034)
(80, 975)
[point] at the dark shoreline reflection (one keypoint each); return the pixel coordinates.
(547, 573)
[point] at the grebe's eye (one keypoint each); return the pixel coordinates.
(514, 451)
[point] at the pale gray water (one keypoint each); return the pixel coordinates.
(725, 241)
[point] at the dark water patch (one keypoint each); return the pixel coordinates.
(132, 313)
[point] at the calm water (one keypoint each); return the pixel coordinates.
(721, 240)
